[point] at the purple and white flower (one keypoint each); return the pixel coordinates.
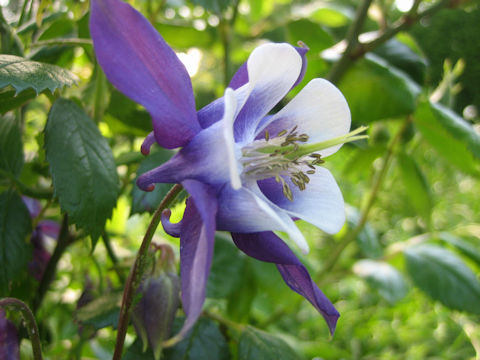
(247, 171)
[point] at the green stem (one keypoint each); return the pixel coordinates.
(377, 183)
(66, 41)
(64, 239)
(30, 324)
(137, 270)
(37, 193)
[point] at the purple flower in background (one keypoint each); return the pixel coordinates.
(247, 172)
(45, 228)
(9, 345)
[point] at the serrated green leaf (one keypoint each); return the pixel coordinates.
(143, 201)
(9, 99)
(383, 277)
(23, 74)
(11, 147)
(241, 298)
(451, 136)
(226, 268)
(257, 344)
(82, 166)
(204, 342)
(444, 277)
(417, 188)
(375, 90)
(15, 225)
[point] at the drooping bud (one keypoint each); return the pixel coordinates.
(9, 345)
(154, 314)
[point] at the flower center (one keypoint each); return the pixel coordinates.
(287, 155)
(277, 157)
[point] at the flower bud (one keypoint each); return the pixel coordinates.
(154, 314)
(9, 345)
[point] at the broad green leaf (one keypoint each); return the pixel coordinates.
(82, 166)
(101, 312)
(416, 186)
(402, 57)
(15, 225)
(11, 147)
(204, 342)
(23, 74)
(375, 90)
(383, 277)
(257, 344)
(451, 136)
(227, 265)
(444, 277)
(9, 99)
(143, 201)
(467, 248)
(310, 33)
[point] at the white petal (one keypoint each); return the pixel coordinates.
(272, 71)
(248, 210)
(228, 118)
(321, 203)
(319, 110)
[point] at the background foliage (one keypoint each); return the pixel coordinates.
(403, 272)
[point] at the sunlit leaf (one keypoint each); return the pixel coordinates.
(383, 277)
(375, 90)
(15, 225)
(23, 74)
(470, 249)
(257, 344)
(82, 166)
(444, 276)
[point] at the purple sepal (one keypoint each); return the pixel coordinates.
(240, 78)
(196, 249)
(32, 205)
(266, 246)
(147, 143)
(9, 344)
(172, 229)
(140, 64)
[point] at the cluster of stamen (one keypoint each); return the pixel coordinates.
(276, 157)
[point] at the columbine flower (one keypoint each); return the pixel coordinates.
(246, 171)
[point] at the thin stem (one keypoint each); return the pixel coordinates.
(137, 271)
(64, 239)
(30, 324)
(225, 34)
(66, 41)
(340, 66)
(112, 255)
(377, 183)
